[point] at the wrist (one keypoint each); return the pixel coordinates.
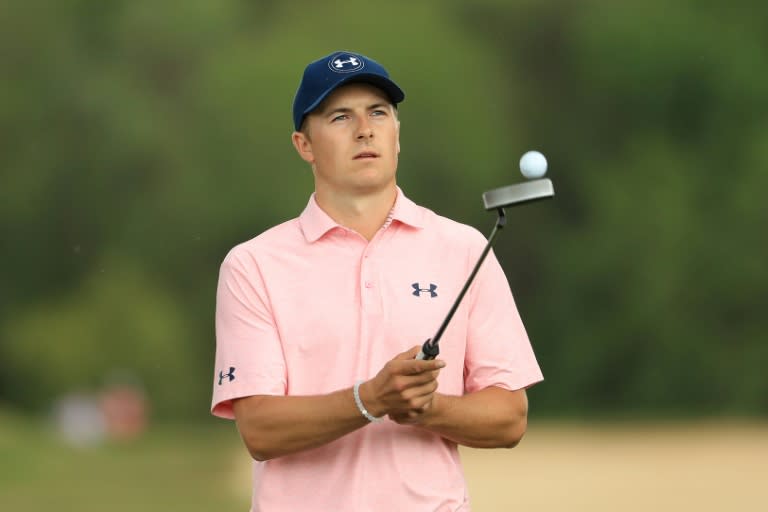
(365, 404)
(433, 414)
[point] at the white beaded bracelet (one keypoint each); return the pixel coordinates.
(370, 417)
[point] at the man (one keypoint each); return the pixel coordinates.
(319, 320)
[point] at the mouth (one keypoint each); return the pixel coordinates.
(365, 155)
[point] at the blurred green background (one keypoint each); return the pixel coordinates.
(141, 140)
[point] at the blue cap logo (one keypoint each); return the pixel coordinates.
(346, 63)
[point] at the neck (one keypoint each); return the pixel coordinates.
(364, 214)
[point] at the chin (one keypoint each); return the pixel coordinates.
(373, 185)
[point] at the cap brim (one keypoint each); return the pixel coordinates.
(396, 95)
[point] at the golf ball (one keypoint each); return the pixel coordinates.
(533, 165)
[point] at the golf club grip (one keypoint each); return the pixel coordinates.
(428, 351)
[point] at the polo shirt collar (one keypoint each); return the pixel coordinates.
(315, 222)
(407, 212)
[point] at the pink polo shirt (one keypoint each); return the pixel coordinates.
(309, 307)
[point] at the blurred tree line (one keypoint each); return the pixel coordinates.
(141, 140)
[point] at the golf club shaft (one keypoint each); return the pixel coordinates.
(430, 348)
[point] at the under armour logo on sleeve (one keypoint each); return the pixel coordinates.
(417, 290)
(231, 375)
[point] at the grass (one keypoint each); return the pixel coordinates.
(170, 468)
(577, 467)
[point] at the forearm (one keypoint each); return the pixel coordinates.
(489, 418)
(273, 426)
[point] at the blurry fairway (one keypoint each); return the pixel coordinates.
(702, 467)
(176, 469)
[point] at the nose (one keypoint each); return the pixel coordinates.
(364, 130)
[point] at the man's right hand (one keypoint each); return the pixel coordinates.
(403, 385)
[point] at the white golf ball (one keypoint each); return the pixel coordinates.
(533, 165)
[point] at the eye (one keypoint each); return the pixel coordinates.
(340, 117)
(377, 113)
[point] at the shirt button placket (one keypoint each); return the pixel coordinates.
(367, 280)
(365, 274)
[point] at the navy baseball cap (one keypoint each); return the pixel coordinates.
(326, 74)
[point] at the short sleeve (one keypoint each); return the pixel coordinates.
(499, 352)
(249, 356)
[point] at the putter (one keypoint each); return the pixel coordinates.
(496, 199)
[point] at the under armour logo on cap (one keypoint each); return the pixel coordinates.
(346, 63)
(418, 289)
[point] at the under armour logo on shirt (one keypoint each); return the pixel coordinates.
(231, 375)
(417, 290)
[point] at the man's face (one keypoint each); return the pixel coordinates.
(352, 141)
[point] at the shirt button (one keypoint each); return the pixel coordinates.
(368, 284)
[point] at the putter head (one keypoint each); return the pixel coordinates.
(512, 195)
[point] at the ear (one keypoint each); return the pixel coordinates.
(303, 147)
(398, 137)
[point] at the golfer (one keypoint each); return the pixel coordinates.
(319, 319)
